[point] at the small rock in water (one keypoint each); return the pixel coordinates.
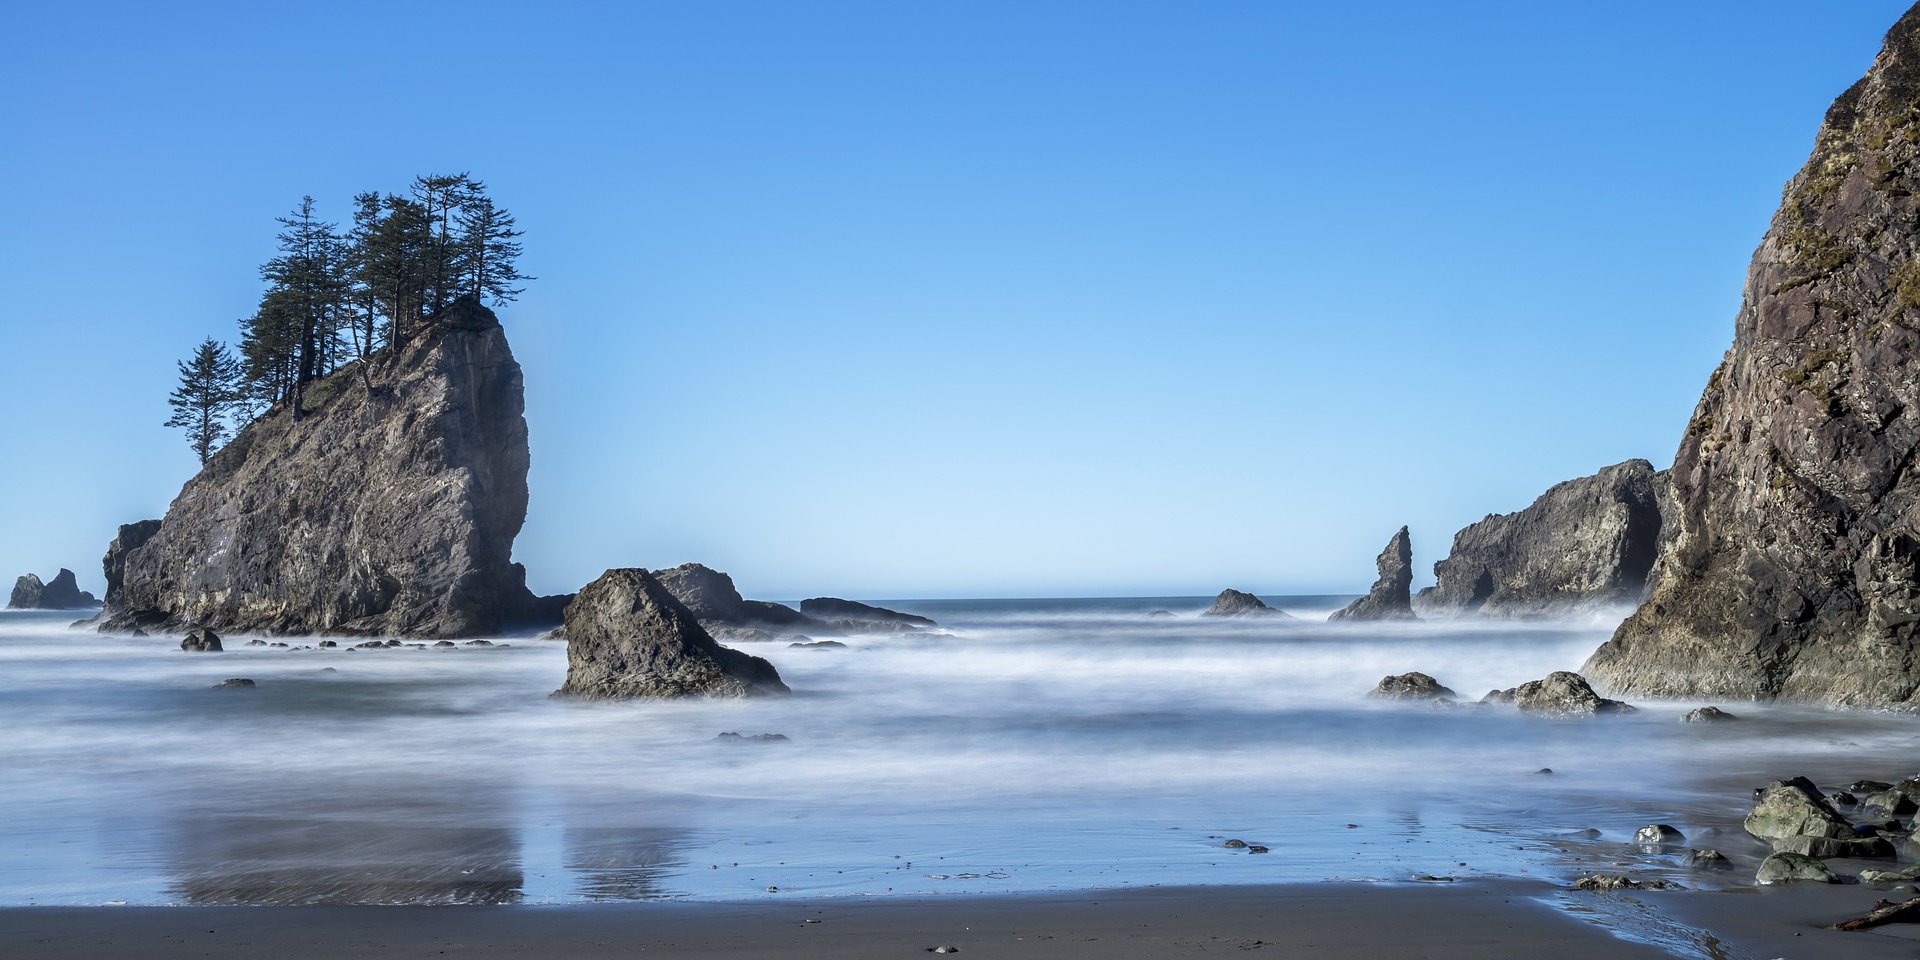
(1543, 772)
(820, 645)
(1256, 848)
(1609, 882)
(1707, 860)
(1234, 844)
(1410, 686)
(1430, 878)
(1868, 786)
(1658, 834)
(234, 683)
(1843, 799)
(1589, 833)
(946, 949)
(276, 644)
(731, 737)
(201, 640)
(479, 643)
(443, 643)
(1707, 715)
(370, 645)
(256, 642)
(328, 644)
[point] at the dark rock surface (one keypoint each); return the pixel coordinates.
(235, 683)
(714, 600)
(200, 640)
(834, 608)
(629, 636)
(1795, 571)
(1707, 715)
(1236, 603)
(1389, 598)
(1584, 544)
(1409, 686)
(1558, 694)
(386, 509)
(131, 536)
(61, 593)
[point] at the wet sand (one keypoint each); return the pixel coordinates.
(1481, 921)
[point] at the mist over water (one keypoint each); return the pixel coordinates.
(1030, 745)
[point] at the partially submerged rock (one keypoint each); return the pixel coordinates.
(1659, 835)
(1558, 694)
(1389, 598)
(834, 608)
(629, 637)
(234, 683)
(1584, 544)
(200, 640)
(1794, 868)
(819, 645)
(1606, 883)
(1707, 715)
(731, 737)
(1236, 603)
(1409, 686)
(61, 593)
(714, 601)
(1784, 809)
(1706, 860)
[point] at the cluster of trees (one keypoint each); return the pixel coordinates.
(337, 296)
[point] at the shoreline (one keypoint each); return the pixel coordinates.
(1467, 920)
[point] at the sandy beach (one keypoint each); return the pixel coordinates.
(1477, 921)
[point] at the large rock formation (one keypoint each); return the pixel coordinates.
(114, 564)
(1795, 570)
(61, 593)
(1388, 600)
(628, 636)
(1239, 603)
(389, 507)
(713, 598)
(1584, 544)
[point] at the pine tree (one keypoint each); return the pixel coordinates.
(310, 274)
(208, 394)
(490, 251)
(441, 197)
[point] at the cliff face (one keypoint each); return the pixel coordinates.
(389, 508)
(1585, 543)
(1795, 569)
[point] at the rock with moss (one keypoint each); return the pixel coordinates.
(1794, 573)
(629, 637)
(1794, 868)
(1794, 808)
(1410, 686)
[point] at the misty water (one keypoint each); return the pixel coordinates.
(1029, 745)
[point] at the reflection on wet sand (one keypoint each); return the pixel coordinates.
(434, 852)
(623, 863)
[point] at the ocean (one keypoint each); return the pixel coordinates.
(1027, 745)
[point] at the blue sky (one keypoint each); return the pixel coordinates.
(939, 299)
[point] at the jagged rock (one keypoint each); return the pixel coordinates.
(234, 683)
(628, 636)
(1584, 544)
(1606, 883)
(1795, 573)
(1410, 686)
(1388, 599)
(389, 507)
(130, 537)
(1795, 808)
(61, 593)
(834, 608)
(1235, 603)
(1890, 803)
(1824, 848)
(713, 599)
(1793, 868)
(200, 640)
(1707, 715)
(1558, 694)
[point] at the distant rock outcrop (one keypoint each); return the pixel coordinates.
(834, 608)
(713, 598)
(628, 637)
(61, 593)
(389, 507)
(1389, 599)
(1795, 570)
(1584, 544)
(1236, 603)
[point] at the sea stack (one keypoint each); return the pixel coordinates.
(1584, 544)
(629, 637)
(388, 507)
(61, 593)
(1389, 599)
(1795, 570)
(1238, 603)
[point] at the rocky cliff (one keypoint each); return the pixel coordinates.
(1585, 543)
(61, 593)
(390, 507)
(1389, 599)
(1795, 568)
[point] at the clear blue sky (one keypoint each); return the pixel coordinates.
(939, 299)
